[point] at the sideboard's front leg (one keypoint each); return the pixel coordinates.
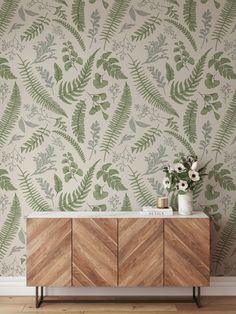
(197, 299)
(38, 300)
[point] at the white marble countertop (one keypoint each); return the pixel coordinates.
(111, 214)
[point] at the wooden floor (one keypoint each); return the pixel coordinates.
(215, 305)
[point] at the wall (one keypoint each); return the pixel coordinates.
(96, 96)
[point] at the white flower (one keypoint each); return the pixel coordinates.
(194, 175)
(179, 167)
(166, 183)
(194, 166)
(182, 185)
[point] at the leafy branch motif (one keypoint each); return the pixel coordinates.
(77, 13)
(110, 176)
(5, 181)
(78, 121)
(147, 90)
(222, 176)
(10, 115)
(157, 49)
(10, 227)
(7, 11)
(74, 200)
(190, 117)
(148, 28)
(5, 70)
(111, 66)
(183, 141)
(35, 29)
(182, 91)
(222, 66)
(190, 14)
(115, 16)
(126, 205)
(70, 168)
(148, 139)
(37, 139)
(118, 121)
(37, 91)
(225, 20)
(227, 127)
(69, 91)
(70, 57)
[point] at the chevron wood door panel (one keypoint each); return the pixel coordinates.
(187, 252)
(49, 252)
(94, 252)
(140, 255)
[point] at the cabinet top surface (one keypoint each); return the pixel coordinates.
(112, 214)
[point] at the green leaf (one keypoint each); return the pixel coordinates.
(142, 194)
(190, 125)
(182, 91)
(147, 29)
(111, 66)
(57, 184)
(210, 82)
(35, 29)
(57, 73)
(210, 193)
(183, 141)
(185, 31)
(37, 139)
(148, 139)
(78, 121)
(126, 205)
(10, 227)
(10, 115)
(222, 66)
(98, 193)
(70, 91)
(37, 91)
(190, 14)
(170, 75)
(147, 90)
(225, 20)
(74, 200)
(33, 198)
(77, 13)
(5, 181)
(98, 82)
(222, 176)
(7, 12)
(110, 176)
(113, 20)
(5, 70)
(226, 129)
(118, 121)
(72, 142)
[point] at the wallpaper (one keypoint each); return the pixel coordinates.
(97, 96)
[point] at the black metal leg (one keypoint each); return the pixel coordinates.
(197, 299)
(38, 300)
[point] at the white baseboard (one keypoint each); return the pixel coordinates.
(219, 286)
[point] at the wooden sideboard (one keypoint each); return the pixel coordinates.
(88, 250)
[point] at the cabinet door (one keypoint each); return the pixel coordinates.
(94, 252)
(49, 252)
(187, 252)
(140, 256)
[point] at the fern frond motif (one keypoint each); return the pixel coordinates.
(183, 141)
(190, 14)
(37, 91)
(35, 29)
(72, 30)
(10, 115)
(37, 138)
(115, 16)
(70, 91)
(182, 91)
(78, 121)
(78, 14)
(118, 121)
(142, 194)
(5, 70)
(225, 20)
(33, 198)
(147, 90)
(72, 142)
(185, 31)
(227, 240)
(148, 139)
(146, 29)
(190, 125)
(7, 11)
(74, 200)
(126, 205)
(226, 129)
(10, 227)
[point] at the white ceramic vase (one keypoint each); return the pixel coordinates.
(185, 203)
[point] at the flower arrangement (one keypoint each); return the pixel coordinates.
(184, 176)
